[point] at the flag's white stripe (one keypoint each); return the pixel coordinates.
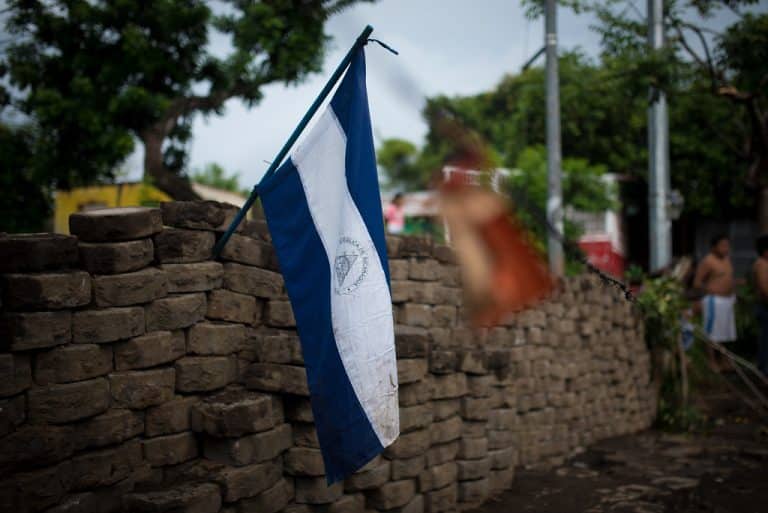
(362, 317)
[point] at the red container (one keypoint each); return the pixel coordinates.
(602, 253)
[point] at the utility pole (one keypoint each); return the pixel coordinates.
(660, 226)
(554, 157)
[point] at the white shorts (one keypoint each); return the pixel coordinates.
(719, 317)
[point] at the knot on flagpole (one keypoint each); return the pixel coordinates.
(383, 45)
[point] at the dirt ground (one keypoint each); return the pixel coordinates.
(721, 469)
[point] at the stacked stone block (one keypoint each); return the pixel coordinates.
(139, 375)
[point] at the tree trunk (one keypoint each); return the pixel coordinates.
(761, 169)
(177, 187)
(762, 209)
(683, 373)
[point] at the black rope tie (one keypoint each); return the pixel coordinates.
(570, 248)
(384, 45)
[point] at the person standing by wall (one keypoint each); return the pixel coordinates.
(760, 273)
(394, 215)
(714, 276)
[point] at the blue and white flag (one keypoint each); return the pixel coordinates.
(324, 213)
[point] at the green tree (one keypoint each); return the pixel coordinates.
(705, 165)
(584, 189)
(215, 176)
(451, 139)
(696, 61)
(397, 157)
(505, 127)
(600, 122)
(604, 111)
(96, 75)
(24, 205)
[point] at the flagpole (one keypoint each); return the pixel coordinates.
(362, 39)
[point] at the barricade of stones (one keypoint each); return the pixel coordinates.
(138, 375)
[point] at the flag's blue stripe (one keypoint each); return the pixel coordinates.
(350, 104)
(344, 431)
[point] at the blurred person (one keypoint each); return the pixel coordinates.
(760, 274)
(714, 277)
(502, 272)
(394, 215)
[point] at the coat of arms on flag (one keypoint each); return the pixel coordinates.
(324, 213)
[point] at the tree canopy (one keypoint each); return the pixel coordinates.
(215, 176)
(715, 123)
(717, 85)
(94, 76)
(583, 185)
(398, 159)
(24, 204)
(601, 132)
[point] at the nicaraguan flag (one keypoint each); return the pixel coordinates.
(324, 213)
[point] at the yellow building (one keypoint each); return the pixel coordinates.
(133, 194)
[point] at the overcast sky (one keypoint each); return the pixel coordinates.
(446, 47)
(452, 47)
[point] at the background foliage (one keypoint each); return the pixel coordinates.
(716, 85)
(663, 306)
(215, 176)
(88, 79)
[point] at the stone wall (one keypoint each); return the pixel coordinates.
(137, 375)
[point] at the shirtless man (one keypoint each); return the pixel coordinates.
(760, 273)
(714, 277)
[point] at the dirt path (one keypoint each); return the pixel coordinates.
(723, 470)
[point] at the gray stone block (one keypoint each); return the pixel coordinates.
(170, 417)
(210, 338)
(175, 312)
(371, 477)
(249, 481)
(445, 499)
(46, 291)
(446, 430)
(37, 252)
(248, 449)
(107, 325)
(205, 373)
(270, 377)
(271, 500)
(111, 427)
(178, 246)
(149, 350)
(411, 370)
(115, 224)
(411, 342)
(230, 306)
(116, 257)
(69, 402)
(409, 445)
(194, 277)
(34, 330)
(253, 281)
(304, 461)
(170, 449)
(233, 413)
(314, 490)
(198, 215)
(393, 494)
(130, 288)
(188, 498)
(141, 389)
(279, 314)
(69, 363)
(15, 374)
